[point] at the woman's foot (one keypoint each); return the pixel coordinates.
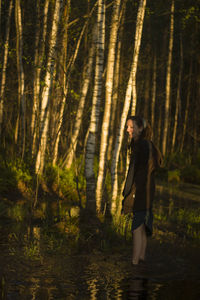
(135, 262)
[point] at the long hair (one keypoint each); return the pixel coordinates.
(146, 132)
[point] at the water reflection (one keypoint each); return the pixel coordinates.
(136, 288)
(44, 259)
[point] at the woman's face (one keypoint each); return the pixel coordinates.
(133, 130)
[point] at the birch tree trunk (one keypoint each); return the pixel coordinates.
(44, 114)
(38, 61)
(108, 101)
(67, 75)
(116, 83)
(178, 98)
(4, 67)
(187, 105)
(84, 91)
(168, 81)
(131, 88)
(138, 37)
(64, 82)
(20, 70)
(91, 141)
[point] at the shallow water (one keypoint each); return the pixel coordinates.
(42, 260)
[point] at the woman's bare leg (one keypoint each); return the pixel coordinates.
(144, 243)
(139, 244)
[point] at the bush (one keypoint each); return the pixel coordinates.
(191, 174)
(11, 173)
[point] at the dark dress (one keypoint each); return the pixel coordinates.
(143, 162)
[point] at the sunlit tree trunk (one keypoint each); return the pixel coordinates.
(168, 81)
(38, 61)
(20, 70)
(94, 120)
(116, 83)
(187, 105)
(79, 114)
(67, 75)
(4, 67)
(64, 83)
(178, 98)
(108, 101)
(44, 114)
(138, 37)
(131, 89)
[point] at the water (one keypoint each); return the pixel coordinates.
(46, 260)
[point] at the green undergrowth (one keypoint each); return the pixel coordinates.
(184, 222)
(15, 175)
(181, 167)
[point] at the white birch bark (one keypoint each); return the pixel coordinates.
(131, 90)
(168, 81)
(108, 101)
(116, 83)
(38, 61)
(20, 69)
(94, 120)
(138, 37)
(64, 83)
(78, 119)
(44, 114)
(5, 59)
(67, 75)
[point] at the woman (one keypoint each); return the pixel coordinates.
(145, 158)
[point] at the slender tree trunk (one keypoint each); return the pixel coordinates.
(130, 87)
(178, 98)
(108, 101)
(147, 92)
(116, 83)
(20, 70)
(64, 82)
(44, 115)
(168, 81)
(79, 115)
(153, 97)
(5, 59)
(138, 37)
(38, 61)
(187, 105)
(67, 77)
(91, 141)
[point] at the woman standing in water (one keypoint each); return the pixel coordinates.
(145, 158)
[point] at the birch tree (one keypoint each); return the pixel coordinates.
(108, 101)
(138, 37)
(64, 83)
(38, 62)
(84, 91)
(5, 60)
(44, 113)
(20, 70)
(130, 90)
(96, 100)
(168, 81)
(187, 105)
(178, 98)
(68, 70)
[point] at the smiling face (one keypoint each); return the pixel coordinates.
(133, 130)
